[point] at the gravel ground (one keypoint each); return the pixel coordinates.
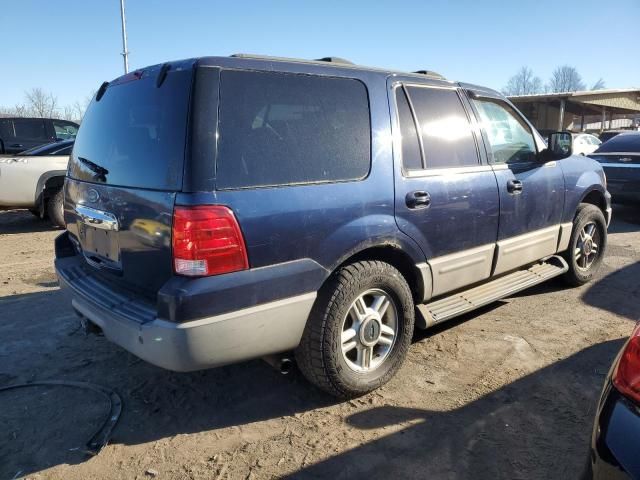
(506, 392)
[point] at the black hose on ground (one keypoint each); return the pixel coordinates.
(101, 437)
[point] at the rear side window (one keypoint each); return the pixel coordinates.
(283, 129)
(6, 129)
(135, 135)
(446, 133)
(30, 129)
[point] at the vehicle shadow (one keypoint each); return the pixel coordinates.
(536, 427)
(40, 339)
(22, 221)
(617, 292)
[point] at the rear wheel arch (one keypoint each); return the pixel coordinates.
(49, 181)
(396, 256)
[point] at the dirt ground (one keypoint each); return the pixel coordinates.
(506, 392)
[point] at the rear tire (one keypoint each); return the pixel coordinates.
(55, 208)
(359, 331)
(587, 245)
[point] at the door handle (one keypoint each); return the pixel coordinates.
(17, 145)
(418, 199)
(514, 187)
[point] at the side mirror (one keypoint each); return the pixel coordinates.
(560, 145)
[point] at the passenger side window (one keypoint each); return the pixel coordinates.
(447, 139)
(510, 137)
(283, 129)
(411, 157)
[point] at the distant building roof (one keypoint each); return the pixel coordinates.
(624, 100)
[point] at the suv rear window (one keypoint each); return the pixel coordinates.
(135, 135)
(282, 129)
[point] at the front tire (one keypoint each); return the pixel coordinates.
(586, 246)
(359, 331)
(55, 209)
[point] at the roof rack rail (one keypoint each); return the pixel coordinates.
(430, 73)
(335, 60)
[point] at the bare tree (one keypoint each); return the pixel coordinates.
(523, 83)
(566, 79)
(41, 103)
(599, 85)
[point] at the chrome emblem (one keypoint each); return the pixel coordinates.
(92, 195)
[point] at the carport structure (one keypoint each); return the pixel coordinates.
(555, 111)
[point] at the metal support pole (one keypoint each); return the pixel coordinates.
(125, 52)
(561, 119)
(603, 119)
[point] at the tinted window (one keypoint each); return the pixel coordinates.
(509, 135)
(30, 128)
(446, 133)
(64, 130)
(625, 142)
(411, 158)
(6, 129)
(278, 129)
(135, 135)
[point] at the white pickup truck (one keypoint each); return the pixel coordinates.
(34, 179)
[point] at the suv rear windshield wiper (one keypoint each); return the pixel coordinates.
(101, 172)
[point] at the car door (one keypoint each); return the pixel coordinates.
(446, 199)
(531, 191)
(29, 133)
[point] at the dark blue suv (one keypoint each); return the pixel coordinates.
(227, 208)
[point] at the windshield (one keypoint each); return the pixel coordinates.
(134, 136)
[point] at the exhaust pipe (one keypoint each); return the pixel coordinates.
(281, 363)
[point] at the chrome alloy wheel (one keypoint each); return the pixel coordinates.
(369, 330)
(588, 246)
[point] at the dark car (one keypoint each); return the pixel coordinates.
(317, 207)
(19, 134)
(620, 158)
(615, 443)
(609, 134)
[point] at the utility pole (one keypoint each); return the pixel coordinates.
(125, 52)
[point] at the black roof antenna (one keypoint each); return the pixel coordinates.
(101, 90)
(335, 60)
(430, 73)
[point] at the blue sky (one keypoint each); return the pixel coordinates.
(70, 47)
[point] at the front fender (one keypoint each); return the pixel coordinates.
(582, 176)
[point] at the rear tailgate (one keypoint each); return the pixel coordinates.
(124, 172)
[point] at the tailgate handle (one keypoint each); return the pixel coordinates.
(97, 218)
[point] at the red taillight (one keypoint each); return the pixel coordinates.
(626, 377)
(207, 241)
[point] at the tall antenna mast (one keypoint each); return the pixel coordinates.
(125, 52)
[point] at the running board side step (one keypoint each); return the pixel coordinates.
(456, 304)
